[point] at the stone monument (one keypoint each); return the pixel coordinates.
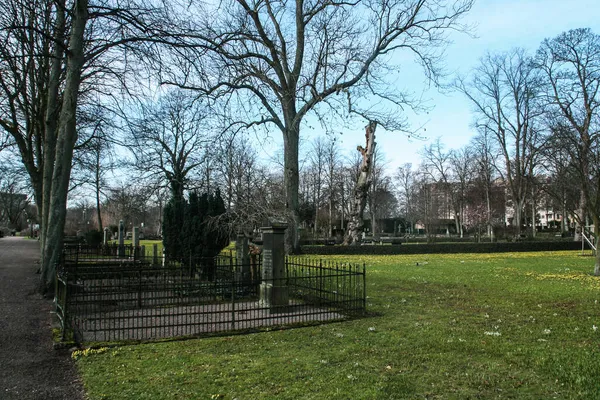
(274, 292)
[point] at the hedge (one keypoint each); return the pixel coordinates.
(441, 248)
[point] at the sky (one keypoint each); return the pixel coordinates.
(499, 26)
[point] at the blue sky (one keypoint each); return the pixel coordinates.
(500, 25)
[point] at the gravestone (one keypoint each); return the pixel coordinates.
(274, 292)
(106, 230)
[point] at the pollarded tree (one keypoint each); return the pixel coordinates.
(570, 64)
(282, 60)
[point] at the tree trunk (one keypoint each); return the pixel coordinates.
(457, 224)
(563, 222)
(330, 214)
(580, 224)
(51, 120)
(359, 195)
(533, 212)
(291, 181)
(490, 228)
(373, 222)
(518, 217)
(316, 196)
(98, 210)
(596, 221)
(66, 138)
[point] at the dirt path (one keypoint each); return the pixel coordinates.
(29, 367)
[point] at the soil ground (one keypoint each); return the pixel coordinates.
(29, 366)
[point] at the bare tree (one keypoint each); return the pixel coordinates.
(503, 91)
(427, 201)
(462, 168)
(332, 160)
(563, 184)
(406, 184)
(14, 194)
(485, 159)
(51, 47)
(31, 38)
(570, 64)
(170, 141)
(282, 60)
(437, 162)
(317, 170)
(243, 182)
(127, 203)
(94, 158)
(377, 189)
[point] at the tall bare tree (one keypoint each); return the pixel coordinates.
(570, 64)
(462, 168)
(332, 160)
(317, 166)
(282, 60)
(485, 172)
(437, 162)
(94, 158)
(170, 140)
(406, 184)
(503, 90)
(563, 185)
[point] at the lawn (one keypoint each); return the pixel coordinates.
(510, 325)
(148, 245)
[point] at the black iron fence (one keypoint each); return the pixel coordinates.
(101, 296)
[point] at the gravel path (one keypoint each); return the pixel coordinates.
(29, 367)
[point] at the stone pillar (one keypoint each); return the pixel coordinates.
(242, 273)
(106, 230)
(121, 250)
(273, 289)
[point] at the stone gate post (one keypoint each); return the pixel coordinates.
(273, 289)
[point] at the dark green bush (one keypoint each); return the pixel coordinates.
(195, 228)
(94, 238)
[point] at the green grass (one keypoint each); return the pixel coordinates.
(464, 326)
(147, 243)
